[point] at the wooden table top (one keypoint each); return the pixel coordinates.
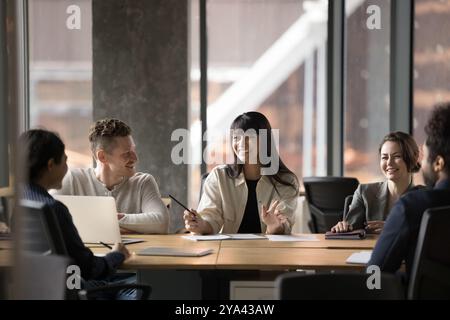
(368, 243)
(247, 254)
(284, 258)
(166, 262)
(236, 254)
(5, 258)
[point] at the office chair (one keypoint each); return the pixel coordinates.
(40, 229)
(336, 286)
(42, 277)
(3, 210)
(326, 199)
(142, 291)
(41, 234)
(4, 220)
(430, 272)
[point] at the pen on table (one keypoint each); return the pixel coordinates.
(104, 244)
(195, 215)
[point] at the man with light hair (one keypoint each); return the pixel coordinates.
(137, 196)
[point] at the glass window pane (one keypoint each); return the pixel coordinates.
(269, 56)
(195, 154)
(61, 74)
(366, 118)
(431, 62)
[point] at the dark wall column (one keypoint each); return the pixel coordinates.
(140, 75)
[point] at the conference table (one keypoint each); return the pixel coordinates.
(237, 254)
(247, 254)
(235, 265)
(5, 258)
(6, 247)
(229, 260)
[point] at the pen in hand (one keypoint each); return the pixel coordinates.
(182, 205)
(104, 244)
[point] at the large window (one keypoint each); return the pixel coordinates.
(264, 55)
(194, 169)
(431, 60)
(366, 110)
(268, 56)
(61, 74)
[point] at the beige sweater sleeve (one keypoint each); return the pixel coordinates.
(155, 216)
(210, 206)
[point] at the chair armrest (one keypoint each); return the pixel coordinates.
(91, 294)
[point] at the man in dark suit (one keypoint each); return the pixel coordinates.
(397, 242)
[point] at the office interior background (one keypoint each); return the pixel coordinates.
(332, 85)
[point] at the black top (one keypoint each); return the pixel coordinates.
(251, 221)
(91, 267)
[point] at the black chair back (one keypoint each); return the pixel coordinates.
(141, 292)
(40, 229)
(430, 274)
(326, 200)
(336, 286)
(3, 210)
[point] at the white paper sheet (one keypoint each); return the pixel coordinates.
(216, 237)
(213, 237)
(245, 236)
(361, 257)
(277, 237)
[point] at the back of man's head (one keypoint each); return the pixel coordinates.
(40, 147)
(438, 134)
(103, 132)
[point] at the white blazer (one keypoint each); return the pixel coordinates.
(224, 199)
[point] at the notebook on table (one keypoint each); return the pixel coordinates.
(174, 252)
(351, 235)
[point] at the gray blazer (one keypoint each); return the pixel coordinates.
(370, 203)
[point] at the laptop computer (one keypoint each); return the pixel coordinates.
(95, 218)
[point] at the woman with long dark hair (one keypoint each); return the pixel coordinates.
(257, 193)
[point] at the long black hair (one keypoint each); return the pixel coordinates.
(257, 121)
(41, 146)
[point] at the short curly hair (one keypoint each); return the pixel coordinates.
(438, 134)
(103, 132)
(408, 148)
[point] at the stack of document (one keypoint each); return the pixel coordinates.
(217, 237)
(362, 257)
